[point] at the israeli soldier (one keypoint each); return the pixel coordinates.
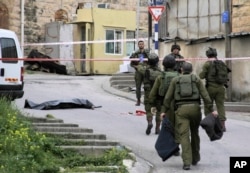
(139, 67)
(186, 91)
(175, 51)
(215, 90)
(151, 73)
(160, 88)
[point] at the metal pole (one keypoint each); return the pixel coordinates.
(137, 19)
(227, 5)
(156, 33)
(156, 37)
(22, 26)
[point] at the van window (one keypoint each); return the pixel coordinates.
(8, 49)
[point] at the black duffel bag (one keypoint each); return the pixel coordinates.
(165, 144)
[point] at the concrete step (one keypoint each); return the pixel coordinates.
(55, 125)
(122, 82)
(123, 74)
(86, 169)
(44, 120)
(93, 142)
(89, 150)
(63, 129)
(78, 135)
(128, 87)
(121, 78)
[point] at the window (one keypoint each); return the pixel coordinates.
(130, 45)
(112, 46)
(8, 49)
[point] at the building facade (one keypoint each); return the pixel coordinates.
(30, 20)
(222, 24)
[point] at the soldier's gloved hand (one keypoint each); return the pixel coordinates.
(162, 115)
(215, 113)
(153, 110)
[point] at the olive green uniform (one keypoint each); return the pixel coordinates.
(178, 63)
(147, 88)
(216, 91)
(139, 70)
(156, 96)
(188, 113)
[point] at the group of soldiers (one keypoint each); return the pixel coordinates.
(176, 93)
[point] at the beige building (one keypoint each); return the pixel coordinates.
(113, 32)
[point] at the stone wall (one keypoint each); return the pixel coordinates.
(240, 16)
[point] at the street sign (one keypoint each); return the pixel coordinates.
(156, 11)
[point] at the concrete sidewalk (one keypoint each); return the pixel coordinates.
(229, 106)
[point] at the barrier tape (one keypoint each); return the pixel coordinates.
(119, 59)
(84, 42)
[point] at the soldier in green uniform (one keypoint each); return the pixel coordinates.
(160, 88)
(139, 67)
(151, 73)
(215, 90)
(175, 51)
(186, 90)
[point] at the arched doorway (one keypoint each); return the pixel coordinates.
(4, 16)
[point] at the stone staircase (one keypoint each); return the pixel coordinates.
(123, 81)
(82, 140)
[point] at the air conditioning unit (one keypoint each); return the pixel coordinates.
(103, 5)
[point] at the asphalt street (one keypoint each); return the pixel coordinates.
(115, 120)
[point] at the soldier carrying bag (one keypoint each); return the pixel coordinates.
(165, 144)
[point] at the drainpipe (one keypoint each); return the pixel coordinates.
(228, 29)
(22, 26)
(137, 19)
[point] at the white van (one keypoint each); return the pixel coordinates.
(11, 68)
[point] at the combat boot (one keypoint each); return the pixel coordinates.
(138, 103)
(149, 127)
(157, 128)
(223, 126)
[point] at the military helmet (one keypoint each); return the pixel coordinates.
(211, 52)
(169, 61)
(153, 59)
(175, 46)
(187, 67)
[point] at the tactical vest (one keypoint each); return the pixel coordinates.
(150, 75)
(166, 78)
(186, 90)
(218, 72)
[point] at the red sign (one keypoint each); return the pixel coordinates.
(156, 11)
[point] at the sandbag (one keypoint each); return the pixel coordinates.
(212, 126)
(165, 144)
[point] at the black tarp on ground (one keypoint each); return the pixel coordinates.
(47, 66)
(212, 126)
(60, 104)
(165, 144)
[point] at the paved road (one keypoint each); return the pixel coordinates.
(114, 120)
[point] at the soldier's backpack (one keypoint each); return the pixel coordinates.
(166, 79)
(221, 72)
(151, 75)
(186, 88)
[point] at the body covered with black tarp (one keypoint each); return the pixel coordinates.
(165, 144)
(60, 104)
